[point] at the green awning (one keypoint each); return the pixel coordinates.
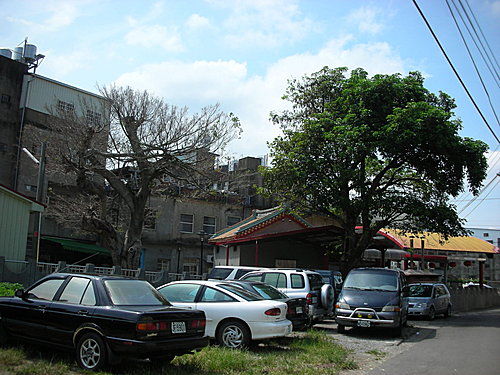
(73, 245)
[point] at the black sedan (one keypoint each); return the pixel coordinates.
(102, 318)
(297, 312)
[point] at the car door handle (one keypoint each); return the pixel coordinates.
(83, 312)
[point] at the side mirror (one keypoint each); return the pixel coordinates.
(20, 293)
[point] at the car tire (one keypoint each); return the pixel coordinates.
(233, 334)
(447, 313)
(327, 297)
(432, 313)
(91, 352)
(340, 328)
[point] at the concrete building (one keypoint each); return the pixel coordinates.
(28, 105)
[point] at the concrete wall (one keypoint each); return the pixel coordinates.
(467, 299)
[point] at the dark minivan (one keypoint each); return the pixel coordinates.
(373, 297)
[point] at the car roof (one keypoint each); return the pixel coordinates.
(91, 276)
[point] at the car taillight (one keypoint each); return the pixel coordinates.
(273, 312)
(309, 299)
(199, 323)
(152, 326)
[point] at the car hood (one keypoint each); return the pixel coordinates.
(368, 298)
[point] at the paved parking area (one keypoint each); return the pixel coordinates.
(372, 346)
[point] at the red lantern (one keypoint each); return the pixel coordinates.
(467, 263)
(452, 264)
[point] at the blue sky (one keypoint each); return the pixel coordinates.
(241, 54)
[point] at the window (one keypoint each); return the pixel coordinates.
(32, 188)
(186, 224)
(212, 295)
(150, 218)
(191, 265)
(297, 281)
(486, 234)
(5, 98)
(73, 292)
(46, 290)
(93, 118)
(278, 280)
(209, 224)
(163, 264)
(231, 220)
(257, 277)
(180, 292)
(65, 107)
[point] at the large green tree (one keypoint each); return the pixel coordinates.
(375, 152)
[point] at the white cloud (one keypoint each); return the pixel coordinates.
(60, 67)
(264, 23)
(196, 22)
(253, 97)
(365, 18)
(57, 15)
(154, 36)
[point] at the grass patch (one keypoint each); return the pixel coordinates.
(377, 353)
(312, 353)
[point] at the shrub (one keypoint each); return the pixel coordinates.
(8, 289)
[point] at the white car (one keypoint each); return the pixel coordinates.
(234, 315)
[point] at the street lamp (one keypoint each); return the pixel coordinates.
(179, 249)
(202, 235)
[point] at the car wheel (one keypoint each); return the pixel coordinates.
(91, 352)
(340, 328)
(432, 313)
(447, 312)
(233, 334)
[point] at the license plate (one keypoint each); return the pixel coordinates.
(298, 310)
(363, 323)
(178, 327)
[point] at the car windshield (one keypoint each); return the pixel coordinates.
(268, 292)
(386, 281)
(239, 291)
(420, 290)
(219, 273)
(134, 293)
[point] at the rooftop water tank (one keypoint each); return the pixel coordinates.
(18, 54)
(29, 52)
(6, 52)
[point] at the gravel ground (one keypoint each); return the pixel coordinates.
(370, 347)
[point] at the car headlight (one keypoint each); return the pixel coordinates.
(421, 305)
(389, 308)
(342, 305)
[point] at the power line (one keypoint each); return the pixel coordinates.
(470, 54)
(479, 39)
(455, 71)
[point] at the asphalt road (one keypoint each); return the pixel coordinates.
(464, 344)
